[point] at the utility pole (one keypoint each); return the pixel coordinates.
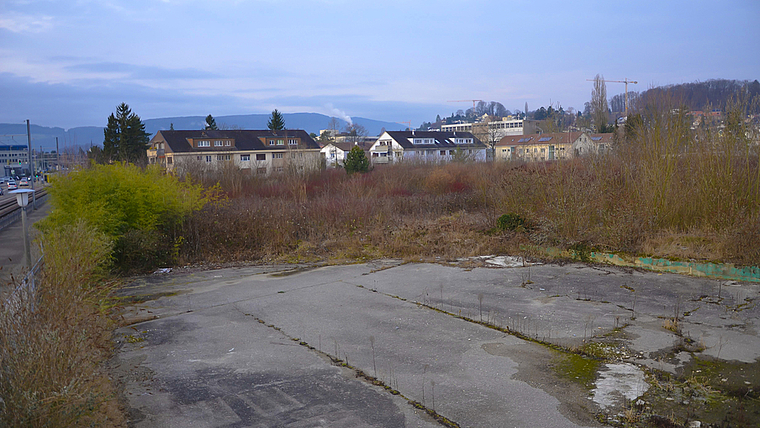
(31, 164)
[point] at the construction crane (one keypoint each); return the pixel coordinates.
(409, 124)
(465, 101)
(626, 81)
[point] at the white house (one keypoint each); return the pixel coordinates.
(426, 146)
(335, 153)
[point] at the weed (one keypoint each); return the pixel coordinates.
(510, 221)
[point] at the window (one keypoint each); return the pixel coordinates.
(223, 157)
(272, 142)
(276, 155)
(218, 143)
(443, 152)
(280, 142)
(199, 157)
(261, 156)
(228, 143)
(208, 159)
(293, 141)
(279, 169)
(204, 143)
(261, 170)
(169, 160)
(245, 158)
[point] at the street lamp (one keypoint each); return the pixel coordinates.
(22, 198)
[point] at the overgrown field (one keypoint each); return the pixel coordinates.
(702, 206)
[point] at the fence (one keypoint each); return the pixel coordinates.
(25, 293)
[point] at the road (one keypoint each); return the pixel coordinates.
(258, 346)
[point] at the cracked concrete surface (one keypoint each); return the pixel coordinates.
(252, 346)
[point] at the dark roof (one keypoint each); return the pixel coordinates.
(547, 138)
(244, 139)
(441, 139)
(347, 146)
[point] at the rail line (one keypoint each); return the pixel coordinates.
(9, 206)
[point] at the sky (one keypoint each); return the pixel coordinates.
(70, 63)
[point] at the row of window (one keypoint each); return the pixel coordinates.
(247, 158)
(207, 143)
(291, 141)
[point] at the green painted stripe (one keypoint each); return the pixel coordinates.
(726, 271)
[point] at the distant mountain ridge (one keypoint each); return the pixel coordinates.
(86, 136)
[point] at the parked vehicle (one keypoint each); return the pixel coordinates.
(12, 185)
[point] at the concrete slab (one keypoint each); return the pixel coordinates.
(249, 346)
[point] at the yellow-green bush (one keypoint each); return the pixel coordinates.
(140, 210)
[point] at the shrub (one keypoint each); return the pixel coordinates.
(55, 338)
(141, 211)
(510, 221)
(356, 161)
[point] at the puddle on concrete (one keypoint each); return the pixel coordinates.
(617, 383)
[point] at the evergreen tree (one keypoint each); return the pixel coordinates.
(125, 139)
(356, 161)
(276, 122)
(210, 123)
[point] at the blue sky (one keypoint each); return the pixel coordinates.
(69, 63)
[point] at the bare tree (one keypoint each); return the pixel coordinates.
(333, 125)
(599, 108)
(355, 132)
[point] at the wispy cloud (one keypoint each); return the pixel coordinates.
(140, 72)
(21, 23)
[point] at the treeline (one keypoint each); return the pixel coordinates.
(709, 95)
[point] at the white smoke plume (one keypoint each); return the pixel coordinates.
(339, 114)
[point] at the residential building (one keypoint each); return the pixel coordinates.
(261, 151)
(593, 144)
(426, 146)
(335, 153)
(537, 147)
(500, 128)
(554, 146)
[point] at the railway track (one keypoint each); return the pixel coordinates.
(9, 206)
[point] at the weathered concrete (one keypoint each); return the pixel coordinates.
(221, 349)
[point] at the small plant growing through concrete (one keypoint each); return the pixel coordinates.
(372, 344)
(480, 305)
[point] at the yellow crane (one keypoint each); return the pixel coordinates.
(465, 101)
(626, 81)
(408, 124)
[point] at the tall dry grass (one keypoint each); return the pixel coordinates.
(664, 190)
(56, 337)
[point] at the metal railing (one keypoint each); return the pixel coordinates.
(25, 293)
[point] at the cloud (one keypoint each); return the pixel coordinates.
(20, 23)
(139, 71)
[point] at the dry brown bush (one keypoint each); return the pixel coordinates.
(661, 186)
(56, 337)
